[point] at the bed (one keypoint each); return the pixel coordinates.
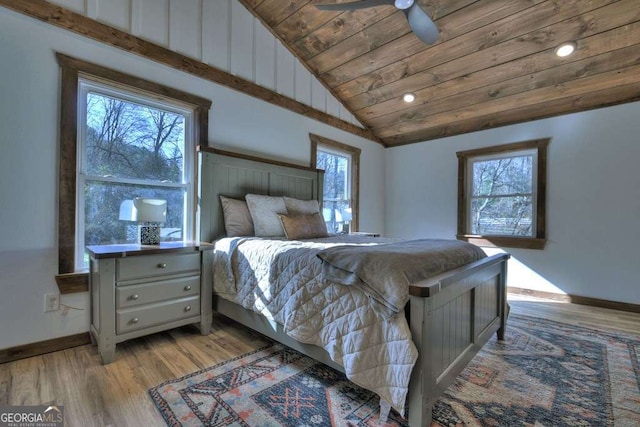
(450, 315)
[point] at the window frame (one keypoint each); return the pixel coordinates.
(90, 84)
(320, 143)
(72, 70)
(539, 188)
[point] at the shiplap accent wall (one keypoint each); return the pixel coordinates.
(221, 33)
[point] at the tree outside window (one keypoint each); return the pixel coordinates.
(501, 195)
(130, 146)
(336, 201)
(341, 164)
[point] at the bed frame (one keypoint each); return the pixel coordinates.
(451, 316)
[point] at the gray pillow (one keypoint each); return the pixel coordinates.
(264, 213)
(301, 207)
(237, 219)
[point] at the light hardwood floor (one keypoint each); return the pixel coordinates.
(116, 394)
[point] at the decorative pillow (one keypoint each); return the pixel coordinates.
(264, 212)
(301, 207)
(237, 219)
(303, 226)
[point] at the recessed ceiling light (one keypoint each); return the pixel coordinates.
(409, 97)
(566, 49)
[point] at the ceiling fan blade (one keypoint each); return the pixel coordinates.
(423, 27)
(354, 5)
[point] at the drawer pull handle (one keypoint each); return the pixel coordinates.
(135, 320)
(162, 265)
(134, 297)
(187, 288)
(187, 308)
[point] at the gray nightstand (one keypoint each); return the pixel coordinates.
(138, 290)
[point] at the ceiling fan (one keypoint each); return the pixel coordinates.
(420, 23)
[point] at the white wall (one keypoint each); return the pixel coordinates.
(29, 120)
(593, 200)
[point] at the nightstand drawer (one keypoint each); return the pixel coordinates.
(138, 267)
(133, 295)
(131, 319)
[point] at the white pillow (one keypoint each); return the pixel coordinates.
(264, 212)
(301, 207)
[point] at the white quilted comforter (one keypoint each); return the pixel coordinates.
(283, 280)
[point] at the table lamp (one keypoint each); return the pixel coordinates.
(149, 213)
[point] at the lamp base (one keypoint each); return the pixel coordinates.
(150, 234)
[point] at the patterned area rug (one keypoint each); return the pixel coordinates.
(544, 374)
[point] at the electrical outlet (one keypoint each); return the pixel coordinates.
(51, 302)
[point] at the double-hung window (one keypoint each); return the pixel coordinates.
(340, 163)
(131, 145)
(122, 137)
(501, 196)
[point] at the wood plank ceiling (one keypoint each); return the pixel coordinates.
(494, 63)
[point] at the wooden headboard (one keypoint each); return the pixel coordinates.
(222, 173)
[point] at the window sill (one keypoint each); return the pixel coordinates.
(502, 241)
(72, 283)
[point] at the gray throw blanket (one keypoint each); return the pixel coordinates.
(384, 272)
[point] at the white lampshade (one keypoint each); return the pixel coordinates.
(347, 215)
(150, 210)
(127, 211)
(143, 210)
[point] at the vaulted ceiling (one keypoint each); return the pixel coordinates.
(494, 63)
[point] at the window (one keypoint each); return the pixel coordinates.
(131, 145)
(122, 137)
(336, 200)
(340, 163)
(501, 195)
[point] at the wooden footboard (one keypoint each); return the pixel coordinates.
(451, 317)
